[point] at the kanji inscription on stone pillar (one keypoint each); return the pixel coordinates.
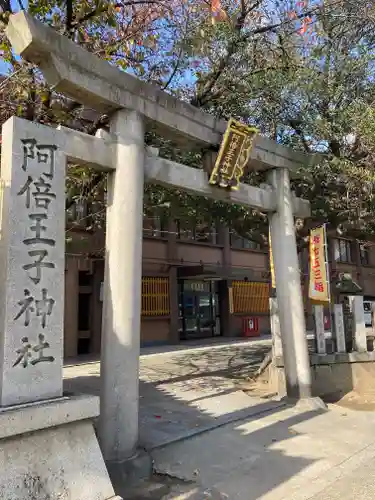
(32, 247)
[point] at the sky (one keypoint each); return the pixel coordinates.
(4, 68)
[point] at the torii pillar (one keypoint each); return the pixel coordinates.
(118, 425)
(288, 289)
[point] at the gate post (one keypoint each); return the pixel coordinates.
(360, 338)
(320, 338)
(119, 397)
(288, 289)
(275, 328)
(339, 328)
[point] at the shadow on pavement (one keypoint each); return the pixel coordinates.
(243, 460)
(194, 392)
(231, 362)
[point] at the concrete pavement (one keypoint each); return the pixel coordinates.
(238, 358)
(256, 449)
(287, 454)
(184, 391)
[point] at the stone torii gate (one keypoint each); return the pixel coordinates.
(135, 107)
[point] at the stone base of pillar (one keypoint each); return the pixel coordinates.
(276, 384)
(128, 474)
(311, 404)
(50, 450)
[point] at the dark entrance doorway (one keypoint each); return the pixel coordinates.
(199, 315)
(84, 312)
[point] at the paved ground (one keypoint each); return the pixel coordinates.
(185, 390)
(256, 449)
(287, 454)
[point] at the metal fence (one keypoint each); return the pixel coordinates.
(155, 297)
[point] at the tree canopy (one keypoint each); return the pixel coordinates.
(301, 71)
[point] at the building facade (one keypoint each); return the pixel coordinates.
(351, 259)
(198, 282)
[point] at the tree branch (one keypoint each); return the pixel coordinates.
(100, 10)
(296, 126)
(5, 6)
(172, 75)
(202, 97)
(253, 7)
(87, 189)
(271, 27)
(335, 147)
(69, 17)
(31, 101)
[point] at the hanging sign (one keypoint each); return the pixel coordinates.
(318, 285)
(233, 155)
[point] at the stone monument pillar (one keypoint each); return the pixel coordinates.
(32, 253)
(48, 447)
(360, 339)
(339, 328)
(319, 329)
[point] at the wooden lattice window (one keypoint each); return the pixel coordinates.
(155, 297)
(250, 297)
